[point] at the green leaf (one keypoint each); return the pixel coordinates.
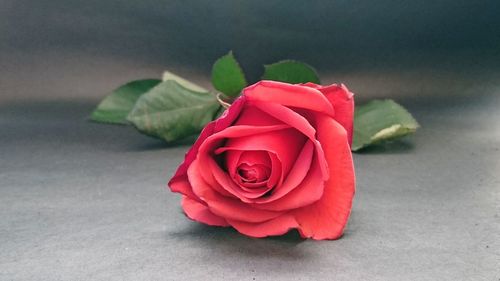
(290, 71)
(227, 76)
(116, 106)
(167, 75)
(172, 112)
(379, 121)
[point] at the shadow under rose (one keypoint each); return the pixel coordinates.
(227, 241)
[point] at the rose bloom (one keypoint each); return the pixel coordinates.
(278, 158)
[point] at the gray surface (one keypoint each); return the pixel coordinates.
(84, 201)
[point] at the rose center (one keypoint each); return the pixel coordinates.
(253, 173)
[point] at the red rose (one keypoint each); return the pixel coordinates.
(279, 158)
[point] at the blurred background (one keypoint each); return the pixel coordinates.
(69, 49)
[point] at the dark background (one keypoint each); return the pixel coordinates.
(66, 49)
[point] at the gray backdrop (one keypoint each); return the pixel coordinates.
(70, 48)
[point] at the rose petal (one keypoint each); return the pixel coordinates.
(343, 103)
(326, 218)
(235, 158)
(254, 173)
(222, 206)
(251, 115)
(199, 212)
(277, 226)
(288, 95)
(252, 158)
(297, 173)
(276, 178)
(232, 160)
(181, 185)
(211, 180)
(206, 150)
(298, 190)
(211, 143)
(227, 183)
(285, 143)
(300, 123)
(249, 175)
(179, 182)
(305, 193)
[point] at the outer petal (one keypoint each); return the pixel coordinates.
(289, 95)
(342, 101)
(277, 226)
(253, 116)
(199, 212)
(181, 185)
(327, 218)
